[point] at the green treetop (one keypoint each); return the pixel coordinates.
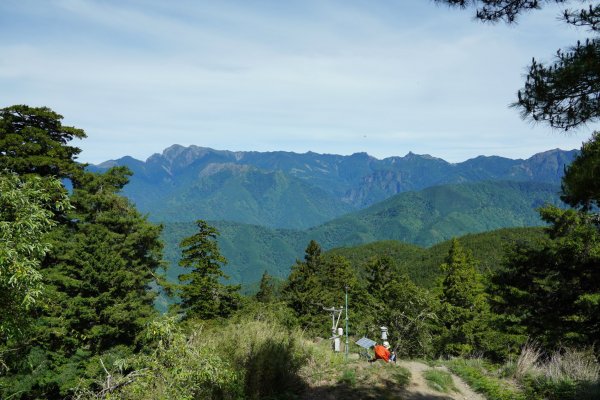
(265, 291)
(396, 302)
(33, 140)
(581, 183)
(202, 294)
(303, 279)
(463, 303)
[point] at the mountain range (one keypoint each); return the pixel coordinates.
(298, 191)
(268, 206)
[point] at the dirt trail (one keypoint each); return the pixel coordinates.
(418, 389)
(379, 380)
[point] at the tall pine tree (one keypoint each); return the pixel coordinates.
(202, 293)
(464, 310)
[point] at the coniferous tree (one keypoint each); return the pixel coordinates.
(34, 141)
(303, 283)
(320, 282)
(464, 308)
(265, 291)
(336, 276)
(97, 274)
(407, 310)
(550, 291)
(202, 294)
(97, 295)
(581, 182)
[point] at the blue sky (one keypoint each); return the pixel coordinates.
(384, 77)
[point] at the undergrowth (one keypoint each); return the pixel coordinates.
(493, 388)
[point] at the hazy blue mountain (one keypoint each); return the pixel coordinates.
(421, 218)
(291, 190)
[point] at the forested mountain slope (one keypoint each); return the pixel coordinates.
(298, 191)
(421, 218)
(422, 265)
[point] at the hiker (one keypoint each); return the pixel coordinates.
(381, 353)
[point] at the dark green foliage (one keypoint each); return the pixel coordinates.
(422, 265)
(320, 282)
(97, 275)
(407, 310)
(464, 309)
(33, 141)
(98, 296)
(303, 284)
(552, 288)
(503, 10)
(566, 93)
(202, 294)
(580, 185)
(265, 291)
(104, 263)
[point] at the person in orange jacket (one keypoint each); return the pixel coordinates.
(381, 353)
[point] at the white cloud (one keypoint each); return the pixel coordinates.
(323, 76)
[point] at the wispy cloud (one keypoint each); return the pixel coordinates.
(326, 76)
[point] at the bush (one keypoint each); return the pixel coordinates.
(241, 358)
(348, 377)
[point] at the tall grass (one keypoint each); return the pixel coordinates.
(527, 362)
(564, 374)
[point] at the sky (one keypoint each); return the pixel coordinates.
(384, 77)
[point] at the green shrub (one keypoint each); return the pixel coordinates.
(241, 358)
(348, 377)
(439, 380)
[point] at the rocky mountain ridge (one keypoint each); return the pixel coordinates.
(291, 190)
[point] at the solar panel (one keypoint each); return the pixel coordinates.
(366, 342)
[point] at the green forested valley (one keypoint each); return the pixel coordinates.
(422, 218)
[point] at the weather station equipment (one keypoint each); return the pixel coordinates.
(336, 333)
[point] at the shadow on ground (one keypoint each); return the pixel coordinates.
(389, 390)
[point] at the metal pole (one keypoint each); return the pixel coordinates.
(346, 347)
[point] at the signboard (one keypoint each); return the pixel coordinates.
(366, 342)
